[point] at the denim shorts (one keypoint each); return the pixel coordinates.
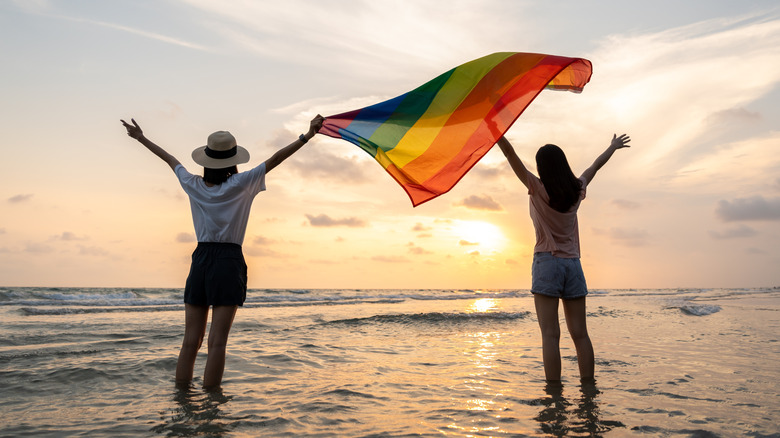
(557, 277)
(217, 275)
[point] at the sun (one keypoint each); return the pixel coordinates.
(479, 234)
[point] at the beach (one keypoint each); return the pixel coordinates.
(335, 363)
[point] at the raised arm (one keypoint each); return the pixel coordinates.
(135, 131)
(617, 143)
(514, 160)
(285, 152)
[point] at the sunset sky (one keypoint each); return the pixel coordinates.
(695, 202)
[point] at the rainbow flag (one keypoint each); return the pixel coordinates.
(428, 138)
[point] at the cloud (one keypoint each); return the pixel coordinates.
(511, 262)
(323, 164)
(390, 259)
(707, 74)
(756, 208)
(20, 198)
(323, 220)
(483, 202)
(733, 115)
(67, 236)
(2, 230)
(625, 236)
(186, 238)
(741, 231)
(474, 253)
(37, 248)
(260, 240)
(324, 262)
(624, 204)
(362, 35)
(416, 250)
(255, 251)
(486, 172)
(467, 243)
(419, 227)
(94, 251)
(140, 32)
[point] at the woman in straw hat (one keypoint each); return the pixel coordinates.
(220, 203)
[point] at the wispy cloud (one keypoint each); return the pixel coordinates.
(364, 35)
(419, 227)
(741, 231)
(262, 241)
(140, 32)
(323, 220)
(417, 250)
(625, 204)
(322, 164)
(68, 236)
(37, 248)
(669, 87)
(185, 237)
(756, 208)
(16, 199)
(480, 202)
(390, 259)
(631, 237)
(255, 251)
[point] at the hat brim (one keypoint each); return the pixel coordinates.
(199, 156)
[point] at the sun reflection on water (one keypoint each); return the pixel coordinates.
(483, 305)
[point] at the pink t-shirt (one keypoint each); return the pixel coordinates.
(556, 232)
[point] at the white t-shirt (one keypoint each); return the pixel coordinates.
(220, 213)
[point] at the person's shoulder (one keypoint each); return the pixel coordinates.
(180, 168)
(534, 183)
(254, 172)
(184, 176)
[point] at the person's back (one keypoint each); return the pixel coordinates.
(556, 271)
(220, 212)
(220, 202)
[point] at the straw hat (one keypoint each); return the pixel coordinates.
(221, 151)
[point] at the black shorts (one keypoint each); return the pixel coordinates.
(217, 275)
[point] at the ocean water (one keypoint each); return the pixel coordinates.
(390, 363)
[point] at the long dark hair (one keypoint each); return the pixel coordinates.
(558, 179)
(218, 176)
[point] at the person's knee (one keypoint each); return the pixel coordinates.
(192, 341)
(551, 332)
(578, 333)
(217, 343)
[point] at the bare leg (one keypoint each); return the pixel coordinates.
(195, 318)
(547, 314)
(574, 310)
(221, 321)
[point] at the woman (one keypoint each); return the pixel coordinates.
(556, 273)
(220, 203)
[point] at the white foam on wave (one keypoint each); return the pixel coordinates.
(699, 309)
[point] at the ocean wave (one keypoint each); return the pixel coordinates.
(39, 311)
(432, 318)
(63, 301)
(699, 309)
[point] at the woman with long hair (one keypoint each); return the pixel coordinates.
(220, 202)
(556, 272)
